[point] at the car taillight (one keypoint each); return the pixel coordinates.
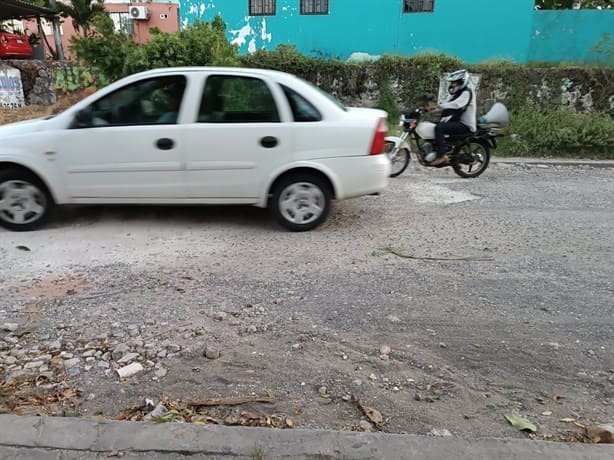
(378, 144)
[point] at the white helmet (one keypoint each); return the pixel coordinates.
(461, 78)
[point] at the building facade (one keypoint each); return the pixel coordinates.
(474, 31)
(134, 18)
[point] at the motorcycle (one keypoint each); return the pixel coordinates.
(467, 154)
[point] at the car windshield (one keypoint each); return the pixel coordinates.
(328, 95)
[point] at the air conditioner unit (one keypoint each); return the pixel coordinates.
(139, 12)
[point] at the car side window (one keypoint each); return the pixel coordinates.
(151, 101)
(302, 109)
(236, 99)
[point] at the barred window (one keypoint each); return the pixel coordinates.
(262, 7)
(418, 6)
(314, 6)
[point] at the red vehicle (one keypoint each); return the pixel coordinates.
(14, 46)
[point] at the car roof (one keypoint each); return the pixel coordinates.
(208, 69)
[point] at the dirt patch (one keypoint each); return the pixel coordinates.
(54, 287)
(64, 101)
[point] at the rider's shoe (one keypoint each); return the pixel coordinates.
(440, 160)
(430, 156)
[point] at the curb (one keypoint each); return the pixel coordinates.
(553, 162)
(84, 438)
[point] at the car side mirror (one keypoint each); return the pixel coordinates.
(83, 118)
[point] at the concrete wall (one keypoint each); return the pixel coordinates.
(164, 16)
(571, 36)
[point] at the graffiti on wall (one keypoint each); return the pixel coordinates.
(11, 89)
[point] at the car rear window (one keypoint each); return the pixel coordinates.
(302, 109)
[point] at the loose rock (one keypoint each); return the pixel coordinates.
(212, 353)
(129, 370)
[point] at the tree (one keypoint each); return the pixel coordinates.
(573, 4)
(81, 12)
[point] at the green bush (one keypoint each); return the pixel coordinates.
(559, 132)
(106, 51)
(117, 55)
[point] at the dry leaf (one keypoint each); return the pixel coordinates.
(373, 415)
(520, 423)
(289, 423)
(567, 420)
(601, 434)
(385, 350)
(250, 415)
(476, 345)
(547, 413)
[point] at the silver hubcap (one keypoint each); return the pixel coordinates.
(301, 203)
(478, 159)
(21, 202)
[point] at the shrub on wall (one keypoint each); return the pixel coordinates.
(117, 55)
(197, 45)
(106, 51)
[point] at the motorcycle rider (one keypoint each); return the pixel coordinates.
(458, 115)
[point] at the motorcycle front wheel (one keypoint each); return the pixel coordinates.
(471, 159)
(400, 161)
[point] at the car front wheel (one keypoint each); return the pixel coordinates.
(25, 204)
(301, 202)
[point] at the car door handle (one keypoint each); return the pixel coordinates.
(165, 143)
(269, 142)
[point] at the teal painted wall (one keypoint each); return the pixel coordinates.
(571, 36)
(474, 30)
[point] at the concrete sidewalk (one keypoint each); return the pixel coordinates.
(31, 437)
(553, 162)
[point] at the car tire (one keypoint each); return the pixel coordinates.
(301, 202)
(25, 203)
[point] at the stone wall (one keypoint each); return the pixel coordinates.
(37, 79)
(583, 89)
(579, 89)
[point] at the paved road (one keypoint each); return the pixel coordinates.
(505, 306)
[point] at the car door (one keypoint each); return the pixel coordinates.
(238, 139)
(127, 145)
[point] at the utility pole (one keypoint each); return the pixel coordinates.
(59, 49)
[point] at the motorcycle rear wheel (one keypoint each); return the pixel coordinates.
(399, 161)
(472, 159)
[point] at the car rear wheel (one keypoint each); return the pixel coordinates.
(25, 203)
(301, 202)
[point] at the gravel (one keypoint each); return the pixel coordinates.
(214, 302)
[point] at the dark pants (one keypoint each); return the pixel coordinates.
(450, 127)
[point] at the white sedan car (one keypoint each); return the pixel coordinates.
(198, 135)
